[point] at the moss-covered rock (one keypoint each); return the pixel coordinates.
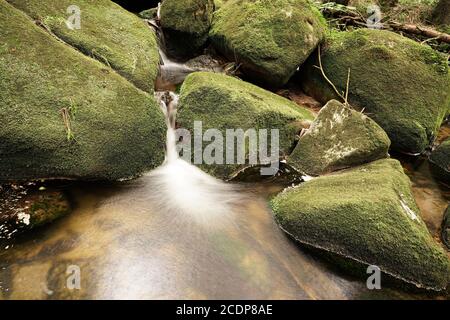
(66, 115)
(440, 161)
(269, 38)
(186, 24)
(338, 138)
(367, 214)
(404, 86)
(223, 102)
(108, 33)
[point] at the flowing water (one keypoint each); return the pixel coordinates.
(178, 233)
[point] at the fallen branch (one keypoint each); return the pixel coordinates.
(65, 112)
(347, 15)
(320, 67)
(419, 30)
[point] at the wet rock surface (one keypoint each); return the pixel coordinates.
(367, 214)
(186, 24)
(440, 162)
(27, 206)
(79, 104)
(445, 228)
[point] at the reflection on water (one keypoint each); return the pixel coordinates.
(127, 249)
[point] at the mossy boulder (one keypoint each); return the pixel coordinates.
(403, 85)
(367, 214)
(65, 115)
(338, 138)
(185, 24)
(440, 161)
(222, 102)
(108, 33)
(270, 39)
(149, 14)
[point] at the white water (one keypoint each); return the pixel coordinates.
(173, 72)
(184, 188)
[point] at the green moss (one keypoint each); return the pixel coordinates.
(149, 13)
(269, 38)
(367, 214)
(223, 102)
(219, 3)
(440, 161)
(108, 33)
(402, 85)
(338, 138)
(119, 130)
(186, 24)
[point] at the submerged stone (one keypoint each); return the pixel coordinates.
(367, 214)
(106, 32)
(186, 24)
(25, 207)
(440, 161)
(222, 102)
(403, 85)
(338, 138)
(65, 115)
(270, 39)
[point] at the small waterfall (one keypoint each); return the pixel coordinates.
(171, 72)
(174, 72)
(185, 189)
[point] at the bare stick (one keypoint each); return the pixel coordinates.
(326, 78)
(347, 87)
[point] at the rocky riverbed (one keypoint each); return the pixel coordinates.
(90, 179)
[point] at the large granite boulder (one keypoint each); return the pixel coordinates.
(65, 115)
(440, 161)
(367, 214)
(108, 33)
(222, 102)
(270, 39)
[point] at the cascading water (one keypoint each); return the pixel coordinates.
(185, 189)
